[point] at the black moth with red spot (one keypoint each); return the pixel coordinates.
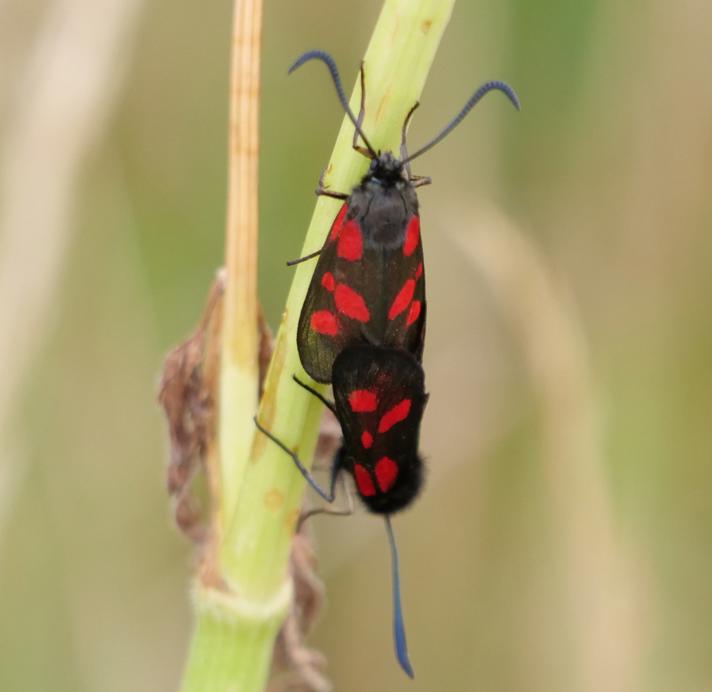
(379, 398)
(369, 282)
(362, 328)
(369, 278)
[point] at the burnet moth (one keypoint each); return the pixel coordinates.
(379, 398)
(369, 278)
(362, 328)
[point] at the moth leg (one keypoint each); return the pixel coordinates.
(311, 255)
(321, 397)
(362, 110)
(323, 191)
(345, 512)
(329, 497)
(403, 147)
(420, 180)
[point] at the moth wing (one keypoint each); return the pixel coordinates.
(372, 294)
(396, 292)
(322, 332)
(391, 387)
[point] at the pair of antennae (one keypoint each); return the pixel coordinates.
(469, 105)
(336, 78)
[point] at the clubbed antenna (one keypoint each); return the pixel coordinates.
(398, 625)
(471, 103)
(329, 62)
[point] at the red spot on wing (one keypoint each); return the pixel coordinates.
(413, 313)
(386, 473)
(363, 401)
(402, 300)
(366, 439)
(419, 271)
(412, 236)
(325, 322)
(364, 483)
(350, 245)
(395, 415)
(328, 281)
(351, 304)
(338, 222)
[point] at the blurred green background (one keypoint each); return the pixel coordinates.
(563, 541)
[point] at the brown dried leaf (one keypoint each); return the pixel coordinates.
(295, 666)
(188, 395)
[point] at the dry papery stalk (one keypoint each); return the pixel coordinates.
(601, 572)
(188, 395)
(49, 132)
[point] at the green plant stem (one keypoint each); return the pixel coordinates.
(234, 637)
(231, 648)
